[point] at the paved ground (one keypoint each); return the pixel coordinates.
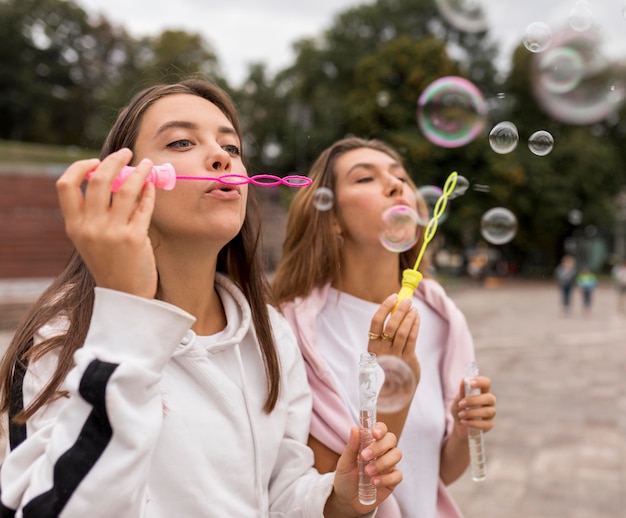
(558, 449)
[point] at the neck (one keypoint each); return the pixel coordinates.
(190, 285)
(370, 278)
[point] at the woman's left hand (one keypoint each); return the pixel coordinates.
(476, 411)
(344, 500)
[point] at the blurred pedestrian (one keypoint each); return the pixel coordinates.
(586, 281)
(565, 274)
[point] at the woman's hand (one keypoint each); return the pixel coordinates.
(111, 231)
(395, 332)
(344, 500)
(474, 411)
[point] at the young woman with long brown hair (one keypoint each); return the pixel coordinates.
(152, 379)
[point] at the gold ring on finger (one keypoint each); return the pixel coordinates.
(373, 336)
(385, 336)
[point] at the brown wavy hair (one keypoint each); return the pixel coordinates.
(71, 294)
(311, 255)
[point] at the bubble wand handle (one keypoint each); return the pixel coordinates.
(368, 390)
(411, 277)
(475, 437)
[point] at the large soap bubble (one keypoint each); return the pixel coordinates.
(465, 15)
(587, 87)
(537, 37)
(498, 226)
(451, 112)
(399, 231)
(504, 137)
(398, 386)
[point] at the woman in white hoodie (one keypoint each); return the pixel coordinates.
(152, 379)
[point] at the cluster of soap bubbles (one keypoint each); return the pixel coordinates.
(504, 137)
(573, 80)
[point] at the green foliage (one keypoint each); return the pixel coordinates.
(64, 75)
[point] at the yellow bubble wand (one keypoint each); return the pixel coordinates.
(411, 277)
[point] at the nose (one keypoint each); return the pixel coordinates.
(218, 159)
(394, 185)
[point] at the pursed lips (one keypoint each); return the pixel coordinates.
(223, 191)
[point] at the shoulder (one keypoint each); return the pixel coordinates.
(284, 337)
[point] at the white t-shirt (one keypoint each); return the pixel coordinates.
(342, 328)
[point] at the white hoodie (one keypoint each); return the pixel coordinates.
(161, 423)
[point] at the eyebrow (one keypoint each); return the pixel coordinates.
(192, 126)
(372, 167)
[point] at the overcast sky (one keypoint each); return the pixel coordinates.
(246, 31)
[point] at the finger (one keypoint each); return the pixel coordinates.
(378, 320)
(482, 412)
(129, 194)
(384, 463)
(389, 480)
(68, 187)
(397, 317)
(406, 335)
(98, 191)
(145, 208)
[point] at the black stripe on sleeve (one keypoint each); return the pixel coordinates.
(75, 463)
(17, 432)
(5, 512)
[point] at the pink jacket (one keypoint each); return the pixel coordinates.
(331, 420)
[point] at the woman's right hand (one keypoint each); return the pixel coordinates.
(395, 332)
(111, 232)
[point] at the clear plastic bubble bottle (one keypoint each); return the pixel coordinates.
(368, 389)
(476, 442)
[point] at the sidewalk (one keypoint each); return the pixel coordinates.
(558, 449)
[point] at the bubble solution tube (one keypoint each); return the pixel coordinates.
(475, 437)
(368, 389)
(162, 176)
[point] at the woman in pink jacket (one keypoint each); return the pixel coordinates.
(337, 286)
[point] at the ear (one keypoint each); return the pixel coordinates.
(336, 225)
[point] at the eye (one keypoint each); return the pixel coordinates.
(403, 179)
(232, 149)
(180, 144)
(364, 179)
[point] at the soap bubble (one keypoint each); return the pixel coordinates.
(431, 194)
(451, 112)
(399, 231)
(503, 138)
(575, 216)
(323, 199)
(398, 386)
(561, 69)
(581, 17)
(537, 37)
(591, 87)
(498, 226)
(464, 15)
(541, 143)
(462, 184)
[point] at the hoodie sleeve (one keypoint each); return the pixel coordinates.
(89, 454)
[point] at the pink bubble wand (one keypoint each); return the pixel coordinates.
(164, 177)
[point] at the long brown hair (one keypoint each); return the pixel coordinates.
(311, 254)
(71, 294)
